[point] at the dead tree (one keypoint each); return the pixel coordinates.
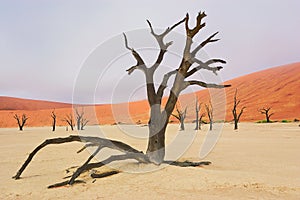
(79, 118)
(83, 123)
(53, 115)
(266, 112)
(209, 111)
(199, 118)
(159, 115)
(181, 115)
(236, 116)
(21, 121)
(70, 121)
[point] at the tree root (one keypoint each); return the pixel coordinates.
(105, 174)
(130, 153)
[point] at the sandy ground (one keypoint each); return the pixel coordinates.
(259, 161)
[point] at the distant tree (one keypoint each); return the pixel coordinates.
(53, 115)
(209, 111)
(79, 117)
(181, 115)
(83, 123)
(236, 116)
(266, 112)
(80, 120)
(21, 121)
(198, 120)
(70, 121)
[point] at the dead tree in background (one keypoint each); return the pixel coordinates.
(209, 111)
(236, 116)
(266, 112)
(53, 115)
(79, 117)
(181, 115)
(198, 120)
(83, 123)
(159, 115)
(21, 121)
(70, 121)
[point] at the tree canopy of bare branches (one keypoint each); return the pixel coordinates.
(81, 121)
(70, 121)
(21, 120)
(236, 115)
(266, 111)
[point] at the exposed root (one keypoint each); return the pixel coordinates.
(100, 142)
(105, 174)
(130, 153)
(63, 184)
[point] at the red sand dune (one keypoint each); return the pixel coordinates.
(12, 103)
(277, 87)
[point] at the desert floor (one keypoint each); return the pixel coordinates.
(259, 161)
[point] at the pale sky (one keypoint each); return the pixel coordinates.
(44, 44)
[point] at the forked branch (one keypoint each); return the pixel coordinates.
(205, 42)
(140, 62)
(160, 40)
(199, 25)
(163, 85)
(205, 65)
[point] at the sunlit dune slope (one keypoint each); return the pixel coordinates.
(276, 87)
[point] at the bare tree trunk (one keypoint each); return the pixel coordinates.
(235, 125)
(156, 141)
(182, 124)
(53, 121)
(197, 121)
(209, 111)
(236, 116)
(200, 120)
